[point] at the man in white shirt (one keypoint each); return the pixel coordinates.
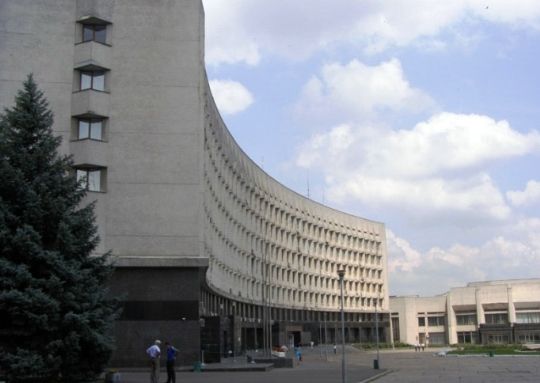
(154, 353)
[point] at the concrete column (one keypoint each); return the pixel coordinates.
(511, 307)
(390, 328)
(426, 331)
(451, 325)
(479, 308)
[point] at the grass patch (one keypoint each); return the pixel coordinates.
(373, 346)
(511, 349)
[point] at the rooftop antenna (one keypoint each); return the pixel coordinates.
(308, 185)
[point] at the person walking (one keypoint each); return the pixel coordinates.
(154, 353)
(171, 358)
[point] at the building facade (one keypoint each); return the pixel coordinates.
(210, 252)
(493, 312)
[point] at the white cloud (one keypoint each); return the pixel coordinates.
(244, 30)
(476, 198)
(448, 142)
(227, 39)
(231, 97)
(529, 196)
(433, 169)
(436, 270)
(404, 257)
(357, 91)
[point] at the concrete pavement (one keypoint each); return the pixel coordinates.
(426, 367)
(401, 366)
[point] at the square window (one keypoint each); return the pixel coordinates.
(94, 32)
(93, 80)
(92, 129)
(89, 179)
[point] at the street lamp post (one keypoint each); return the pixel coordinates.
(320, 338)
(341, 274)
(202, 323)
(325, 338)
(376, 364)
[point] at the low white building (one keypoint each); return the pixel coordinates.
(493, 312)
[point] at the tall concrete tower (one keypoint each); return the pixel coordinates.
(211, 252)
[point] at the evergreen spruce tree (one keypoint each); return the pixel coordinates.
(55, 317)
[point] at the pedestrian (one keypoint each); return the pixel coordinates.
(312, 343)
(171, 358)
(154, 353)
(335, 348)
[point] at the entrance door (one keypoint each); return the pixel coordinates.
(295, 338)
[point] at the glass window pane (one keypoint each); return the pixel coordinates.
(81, 177)
(88, 32)
(86, 80)
(531, 317)
(94, 180)
(100, 34)
(95, 130)
(99, 81)
(83, 129)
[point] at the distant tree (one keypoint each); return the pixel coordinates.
(55, 316)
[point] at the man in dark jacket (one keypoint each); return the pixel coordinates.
(171, 358)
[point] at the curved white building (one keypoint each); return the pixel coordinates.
(210, 251)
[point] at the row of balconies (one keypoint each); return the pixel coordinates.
(285, 297)
(313, 282)
(292, 241)
(249, 261)
(357, 271)
(286, 245)
(297, 276)
(90, 102)
(283, 210)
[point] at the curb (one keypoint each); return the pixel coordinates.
(375, 377)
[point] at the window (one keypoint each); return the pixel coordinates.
(436, 338)
(465, 319)
(528, 317)
(95, 32)
(435, 321)
(467, 337)
(90, 179)
(497, 339)
(90, 128)
(421, 321)
(93, 80)
(529, 337)
(497, 318)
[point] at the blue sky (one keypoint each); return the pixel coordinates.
(421, 114)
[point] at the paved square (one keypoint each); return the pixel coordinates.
(401, 366)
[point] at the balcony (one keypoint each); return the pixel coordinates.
(90, 102)
(89, 152)
(92, 53)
